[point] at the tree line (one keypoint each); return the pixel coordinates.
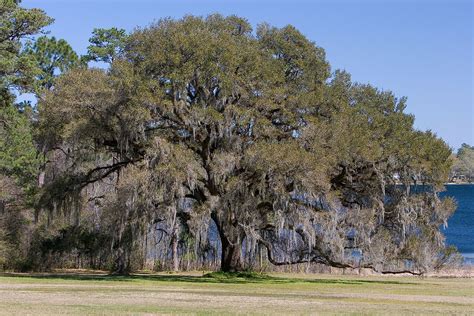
(205, 142)
(463, 165)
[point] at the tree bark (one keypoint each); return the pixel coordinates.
(121, 266)
(174, 248)
(231, 257)
(174, 241)
(231, 236)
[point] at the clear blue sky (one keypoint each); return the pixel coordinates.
(421, 49)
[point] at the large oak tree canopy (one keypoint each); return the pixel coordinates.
(203, 119)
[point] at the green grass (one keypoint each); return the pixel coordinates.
(234, 293)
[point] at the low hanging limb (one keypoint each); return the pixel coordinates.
(327, 261)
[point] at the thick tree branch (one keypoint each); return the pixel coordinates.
(327, 261)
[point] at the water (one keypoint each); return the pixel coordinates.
(460, 230)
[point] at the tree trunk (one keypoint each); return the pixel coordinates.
(231, 257)
(174, 251)
(174, 242)
(231, 240)
(121, 265)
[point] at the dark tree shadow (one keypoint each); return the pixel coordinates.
(216, 277)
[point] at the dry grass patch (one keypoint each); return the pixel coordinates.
(100, 294)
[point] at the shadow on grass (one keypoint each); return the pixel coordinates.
(214, 277)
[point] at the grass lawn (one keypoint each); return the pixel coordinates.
(96, 294)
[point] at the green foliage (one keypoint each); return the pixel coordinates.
(52, 57)
(18, 157)
(16, 23)
(52, 247)
(19, 165)
(19, 161)
(464, 162)
(106, 44)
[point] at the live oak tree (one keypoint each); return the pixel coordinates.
(203, 119)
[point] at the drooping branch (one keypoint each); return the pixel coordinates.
(326, 261)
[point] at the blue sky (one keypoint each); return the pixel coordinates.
(422, 49)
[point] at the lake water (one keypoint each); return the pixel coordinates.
(460, 230)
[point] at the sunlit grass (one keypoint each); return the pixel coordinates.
(218, 293)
